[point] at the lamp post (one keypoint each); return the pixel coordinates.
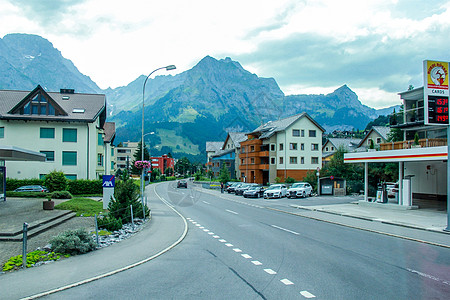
(168, 68)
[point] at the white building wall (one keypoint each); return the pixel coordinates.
(431, 180)
(27, 135)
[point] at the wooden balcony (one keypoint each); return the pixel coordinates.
(424, 143)
(251, 167)
(254, 154)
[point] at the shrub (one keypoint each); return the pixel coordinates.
(61, 195)
(85, 187)
(12, 184)
(73, 242)
(15, 262)
(289, 180)
(354, 186)
(26, 194)
(56, 181)
(126, 193)
(110, 223)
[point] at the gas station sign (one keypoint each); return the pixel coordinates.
(436, 92)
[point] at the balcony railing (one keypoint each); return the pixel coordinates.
(410, 144)
(254, 154)
(254, 167)
(407, 117)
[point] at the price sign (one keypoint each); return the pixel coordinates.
(436, 92)
(437, 110)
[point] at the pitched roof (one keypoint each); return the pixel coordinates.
(236, 138)
(381, 130)
(110, 132)
(76, 107)
(213, 146)
(349, 144)
(271, 127)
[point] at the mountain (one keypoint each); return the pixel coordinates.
(28, 60)
(185, 110)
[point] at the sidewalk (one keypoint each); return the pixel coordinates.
(165, 228)
(424, 219)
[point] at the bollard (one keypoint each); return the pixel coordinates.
(132, 219)
(96, 229)
(24, 245)
(143, 207)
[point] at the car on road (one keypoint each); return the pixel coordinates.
(240, 190)
(275, 191)
(182, 183)
(254, 192)
(233, 186)
(299, 189)
(32, 188)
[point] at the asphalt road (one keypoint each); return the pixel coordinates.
(239, 249)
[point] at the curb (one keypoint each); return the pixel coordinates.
(369, 219)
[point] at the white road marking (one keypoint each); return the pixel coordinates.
(206, 202)
(210, 233)
(222, 241)
(194, 222)
(256, 263)
(246, 256)
(205, 230)
(237, 250)
(428, 276)
(198, 225)
(230, 211)
(229, 245)
(201, 227)
(216, 236)
(287, 230)
(286, 281)
(188, 219)
(307, 294)
(270, 271)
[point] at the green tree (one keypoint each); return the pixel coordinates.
(137, 157)
(182, 166)
(56, 181)
(126, 193)
(224, 175)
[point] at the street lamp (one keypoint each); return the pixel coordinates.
(168, 68)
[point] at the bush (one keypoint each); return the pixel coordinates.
(56, 181)
(15, 262)
(12, 184)
(109, 223)
(85, 187)
(354, 186)
(26, 194)
(61, 195)
(289, 180)
(73, 242)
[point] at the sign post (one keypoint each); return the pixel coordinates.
(436, 94)
(109, 182)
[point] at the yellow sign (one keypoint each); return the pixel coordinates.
(437, 74)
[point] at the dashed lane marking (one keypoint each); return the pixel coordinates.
(230, 211)
(284, 229)
(210, 233)
(222, 241)
(270, 271)
(256, 263)
(286, 281)
(205, 230)
(307, 294)
(229, 245)
(216, 236)
(237, 250)
(246, 256)
(206, 202)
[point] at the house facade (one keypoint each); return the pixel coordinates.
(162, 163)
(331, 145)
(288, 147)
(67, 127)
(124, 155)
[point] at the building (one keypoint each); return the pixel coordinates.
(288, 147)
(377, 135)
(333, 144)
(211, 149)
(124, 155)
(225, 158)
(68, 127)
(163, 163)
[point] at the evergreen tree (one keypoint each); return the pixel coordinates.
(137, 157)
(224, 175)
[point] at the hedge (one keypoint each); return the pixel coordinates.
(75, 187)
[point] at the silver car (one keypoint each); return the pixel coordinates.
(299, 189)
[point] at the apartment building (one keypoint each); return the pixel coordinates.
(67, 127)
(124, 155)
(284, 148)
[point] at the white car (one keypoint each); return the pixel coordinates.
(275, 191)
(299, 189)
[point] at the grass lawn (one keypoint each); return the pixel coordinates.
(82, 206)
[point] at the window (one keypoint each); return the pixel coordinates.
(112, 151)
(314, 160)
(69, 158)
(38, 106)
(112, 165)
(272, 147)
(312, 133)
(42, 176)
(302, 160)
(295, 132)
(281, 160)
(100, 139)
(47, 133)
(303, 133)
(314, 147)
(369, 141)
(281, 147)
(2, 132)
(332, 148)
(272, 160)
(70, 135)
(49, 155)
(378, 140)
(99, 159)
(326, 149)
(293, 160)
(242, 161)
(252, 148)
(71, 176)
(252, 160)
(302, 146)
(293, 146)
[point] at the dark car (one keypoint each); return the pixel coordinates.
(233, 186)
(32, 188)
(240, 190)
(254, 192)
(182, 183)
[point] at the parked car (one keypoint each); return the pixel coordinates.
(254, 192)
(182, 183)
(392, 189)
(32, 188)
(299, 189)
(233, 186)
(275, 191)
(240, 190)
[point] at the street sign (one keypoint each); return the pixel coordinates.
(109, 181)
(331, 177)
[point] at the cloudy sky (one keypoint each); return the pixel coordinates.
(376, 47)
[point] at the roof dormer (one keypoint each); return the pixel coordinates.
(38, 102)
